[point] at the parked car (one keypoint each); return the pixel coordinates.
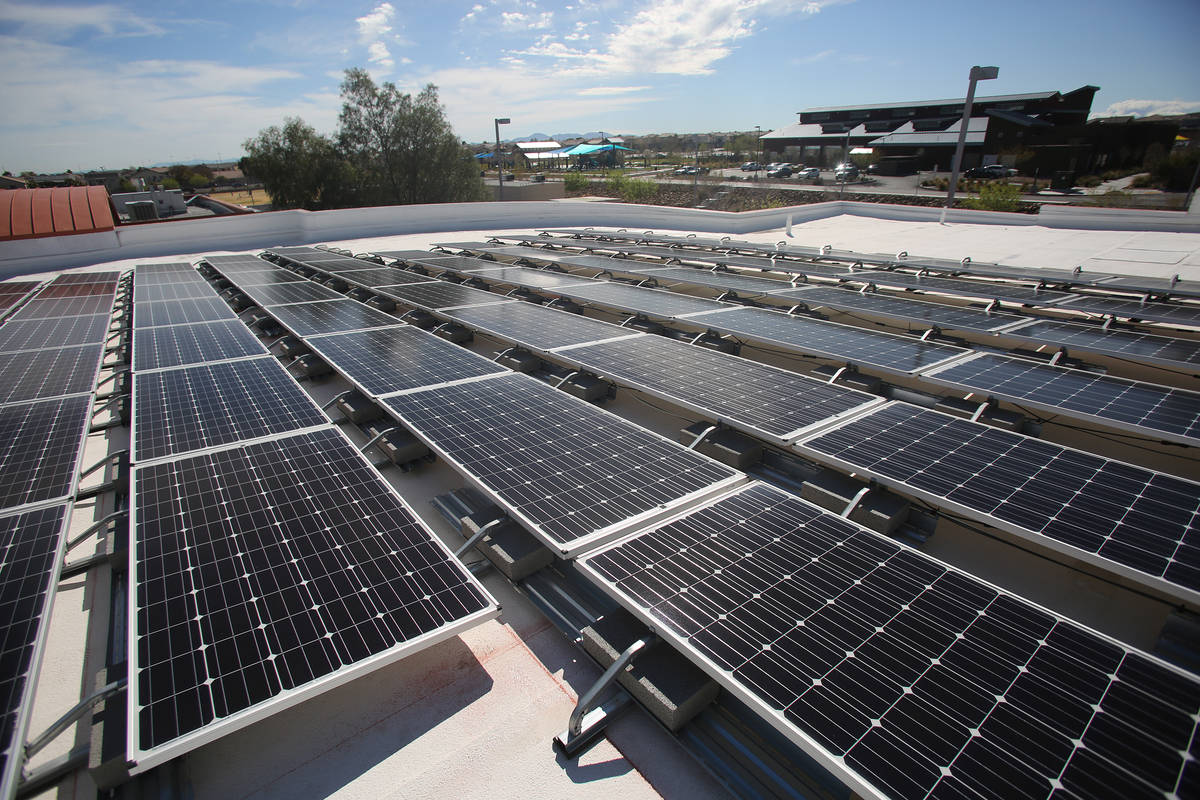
(809, 173)
(750, 166)
(845, 172)
(781, 171)
(989, 171)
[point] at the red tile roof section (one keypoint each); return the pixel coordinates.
(31, 213)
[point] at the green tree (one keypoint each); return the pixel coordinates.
(196, 180)
(298, 167)
(402, 148)
(126, 185)
(170, 183)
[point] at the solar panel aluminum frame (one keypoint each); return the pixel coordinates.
(777, 719)
(878, 278)
(1129, 575)
(572, 549)
(564, 353)
(796, 293)
(12, 770)
(701, 320)
(142, 760)
(931, 373)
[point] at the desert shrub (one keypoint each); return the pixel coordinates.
(576, 182)
(995, 196)
(635, 191)
(1088, 181)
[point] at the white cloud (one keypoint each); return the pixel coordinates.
(136, 112)
(56, 22)
(814, 57)
(516, 20)
(608, 91)
(372, 28)
(1145, 108)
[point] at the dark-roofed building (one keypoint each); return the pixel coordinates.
(1039, 127)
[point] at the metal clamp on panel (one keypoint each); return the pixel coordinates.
(702, 436)
(377, 437)
(586, 723)
(854, 501)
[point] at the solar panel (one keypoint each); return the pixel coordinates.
(284, 293)
(192, 408)
(573, 473)
(1132, 309)
(56, 290)
(1150, 409)
(330, 316)
(39, 334)
(171, 268)
(177, 345)
(65, 306)
(385, 360)
(749, 285)
(1146, 283)
(143, 278)
(452, 262)
(439, 295)
(107, 277)
(1126, 344)
(902, 676)
(887, 351)
(654, 302)
(402, 255)
(772, 402)
(49, 373)
(531, 278)
(170, 291)
(1126, 519)
(967, 288)
(912, 311)
(18, 287)
(30, 552)
(268, 573)
(562, 258)
(381, 276)
(238, 263)
(536, 326)
(267, 277)
(181, 312)
(39, 449)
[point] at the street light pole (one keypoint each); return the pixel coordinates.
(977, 74)
(499, 162)
(757, 155)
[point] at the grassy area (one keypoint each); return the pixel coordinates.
(243, 197)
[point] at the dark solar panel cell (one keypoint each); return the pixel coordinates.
(39, 449)
(637, 299)
(283, 293)
(49, 373)
(333, 316)
(177, 345)
(381, 276)
(63, 290)
(386, 360)
(841, 342)
(1127, 344)
(1179, 314)
(41, 334)
(441, 295)
(524, 276)
(179, 410)
(916, 675)
(536, 326)
(774, 401)
(1153, 408)
(30, 547)
(1123, 514)
(268, 568)
(267, 277)
(568, 468)
(181, 312)
(923, 313)
(967, 288)
(66, 306)
(170, 291)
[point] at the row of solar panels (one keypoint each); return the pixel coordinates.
(1116, 302)
(1152, 348)
(1126, 525)
(899, 674)
(1066, 277)
(51, 352)
(270, 561)
(1152, 410)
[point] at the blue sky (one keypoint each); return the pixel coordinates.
(113, 84)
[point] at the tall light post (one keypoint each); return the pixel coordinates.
(757, 155)
(499, 162)
(977, 74)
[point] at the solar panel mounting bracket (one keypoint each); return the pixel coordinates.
(586, 722)
(700, 437)
(478, 535)
(35, 745)
(854, 501)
